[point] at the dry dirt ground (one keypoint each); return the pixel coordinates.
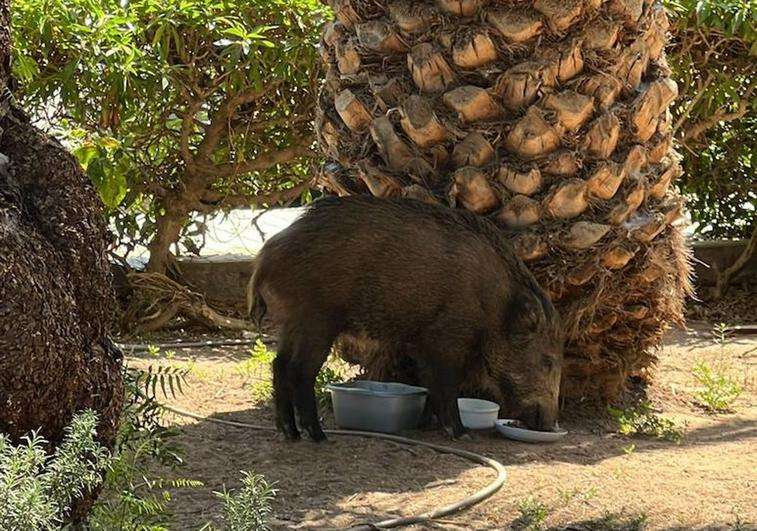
(592, 479)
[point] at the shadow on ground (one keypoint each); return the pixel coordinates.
(350, 480)
(354, 474)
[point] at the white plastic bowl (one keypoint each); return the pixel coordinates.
(512, 430)
(477, 414)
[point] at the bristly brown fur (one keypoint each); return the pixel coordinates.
(408, 280)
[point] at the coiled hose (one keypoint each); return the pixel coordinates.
(460, 505)
(465, 503)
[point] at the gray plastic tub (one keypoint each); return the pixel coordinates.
(377, 406)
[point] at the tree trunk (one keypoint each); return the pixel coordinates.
(724, 278)
(167, 231)
(56, 302)
(550, 118)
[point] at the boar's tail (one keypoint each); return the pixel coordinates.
(256, 307)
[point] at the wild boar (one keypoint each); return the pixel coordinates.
(442, 285)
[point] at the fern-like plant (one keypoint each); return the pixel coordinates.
(134, 498)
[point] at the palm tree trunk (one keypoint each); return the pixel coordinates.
(551, 118)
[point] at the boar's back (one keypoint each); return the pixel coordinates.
(389, 268)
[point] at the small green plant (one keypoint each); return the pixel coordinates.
(533, 515)
(569, 495)
(628, 450)
(720, 333)
(260, 355)
(720, 389)
(642, 420)
(249, 507)
(168, 377)
(333, 371)
(262, 391)
(38, 489)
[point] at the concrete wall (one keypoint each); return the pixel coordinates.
(223, 278)
(720, 254)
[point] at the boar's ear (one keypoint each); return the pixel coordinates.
(531, 313)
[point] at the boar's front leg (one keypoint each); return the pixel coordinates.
(442, 377)
(310, 350)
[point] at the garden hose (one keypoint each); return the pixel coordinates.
(143, 347)
(460, 505)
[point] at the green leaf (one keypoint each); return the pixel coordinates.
(85, 153)
(25, 68)
(109, 142)
(110, 183)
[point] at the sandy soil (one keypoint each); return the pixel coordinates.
(592, 479)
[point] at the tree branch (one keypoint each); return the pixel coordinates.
(187, 123)
(220, 119)
(300, 148)
(696, 130)
(690, 107)
(724, 278)
(212, 201)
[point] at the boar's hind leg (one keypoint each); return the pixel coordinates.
(310, 351)
(282, 390)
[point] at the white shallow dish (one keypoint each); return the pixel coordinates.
(510, 429)
(477, 414)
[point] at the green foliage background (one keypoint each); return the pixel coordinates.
(713, 55)
(117, 80)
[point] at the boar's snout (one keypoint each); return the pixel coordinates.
(532, 376)
(539, 417)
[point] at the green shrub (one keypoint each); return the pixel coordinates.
(134, 87)
(720, 389)
(38, 489)
(712, 54)
(249, 507)
(642, 420)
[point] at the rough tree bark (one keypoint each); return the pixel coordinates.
(56, 302)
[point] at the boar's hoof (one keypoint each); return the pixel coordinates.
(290, 433)
(316, 433)
(458, 434)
